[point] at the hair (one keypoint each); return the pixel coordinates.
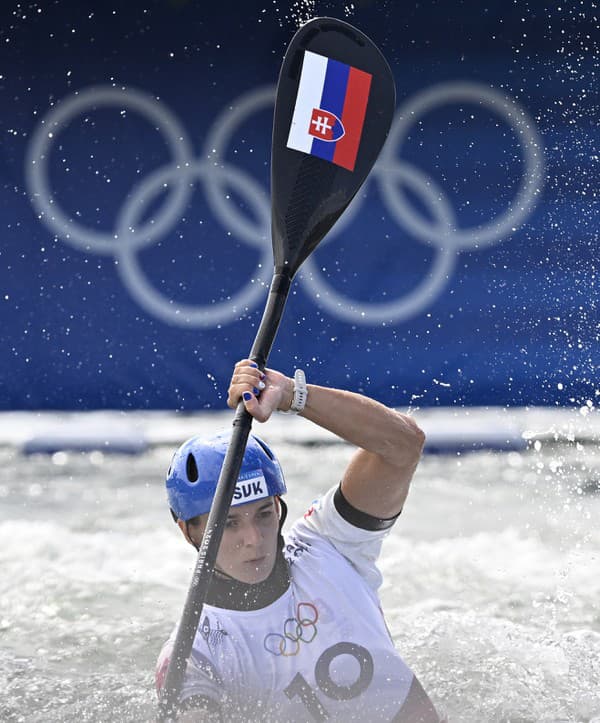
(193, 521)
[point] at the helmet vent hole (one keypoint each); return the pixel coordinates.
(191, 468)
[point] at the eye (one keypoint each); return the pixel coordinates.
(266, 513)
(231, 523)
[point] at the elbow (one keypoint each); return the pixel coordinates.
(409, 441)
(419, 435)
(416, 437)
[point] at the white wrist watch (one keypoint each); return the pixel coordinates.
(300, 393)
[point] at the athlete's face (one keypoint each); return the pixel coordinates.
(249, 544)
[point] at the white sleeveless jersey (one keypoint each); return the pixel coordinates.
(321, 651)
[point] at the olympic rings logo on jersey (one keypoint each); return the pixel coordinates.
(300, 629)
(391, 174)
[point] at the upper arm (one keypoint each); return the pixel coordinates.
(377, 483)
(418, 708)
(377, 479)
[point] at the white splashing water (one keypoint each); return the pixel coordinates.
(492, 579)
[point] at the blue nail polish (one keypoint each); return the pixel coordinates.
(256, 391)
(247, 396)
(254, 365)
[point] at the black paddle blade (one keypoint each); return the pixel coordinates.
(335, 104)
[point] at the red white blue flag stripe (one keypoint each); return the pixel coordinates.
(330, 110)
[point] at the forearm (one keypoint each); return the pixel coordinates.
(389, 443)
(365, 423)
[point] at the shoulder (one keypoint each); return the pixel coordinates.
(332, 523)
(331, 515)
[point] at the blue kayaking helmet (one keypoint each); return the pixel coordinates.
(194, 472)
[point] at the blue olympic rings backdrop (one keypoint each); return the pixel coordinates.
(135, 208)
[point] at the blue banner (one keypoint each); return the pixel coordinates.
(136, 252)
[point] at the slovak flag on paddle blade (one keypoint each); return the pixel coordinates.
(330, 110)
(326, 126)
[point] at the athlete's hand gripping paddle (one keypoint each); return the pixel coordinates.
(333, 110)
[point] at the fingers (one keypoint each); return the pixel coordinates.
(253, 407)
(247, 372)
(247, 379)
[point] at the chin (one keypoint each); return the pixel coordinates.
(253, 575)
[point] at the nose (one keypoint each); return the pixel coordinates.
(252, 535)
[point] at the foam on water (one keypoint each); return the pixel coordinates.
(492, 579)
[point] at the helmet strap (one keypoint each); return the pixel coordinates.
(191, 539)
(284, 513)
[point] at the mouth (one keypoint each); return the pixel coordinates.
(256, 561)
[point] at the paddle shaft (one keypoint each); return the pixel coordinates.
(309, 193)
(207, 555)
